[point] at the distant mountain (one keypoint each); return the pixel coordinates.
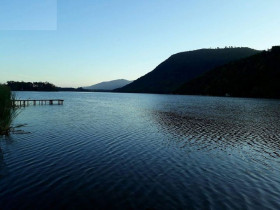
(182, 67)
(255, 76)
(110, 85)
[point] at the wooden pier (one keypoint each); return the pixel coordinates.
(39, 102)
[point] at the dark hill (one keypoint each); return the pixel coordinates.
(256, 76)
(182, 67)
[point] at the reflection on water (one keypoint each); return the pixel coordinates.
(202, 132)
(2, 164)
(138, 151)
(5, 141)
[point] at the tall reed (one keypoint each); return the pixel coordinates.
(7, 109)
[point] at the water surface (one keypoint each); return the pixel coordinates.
(137, 151)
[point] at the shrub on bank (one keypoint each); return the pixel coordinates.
(7, 110)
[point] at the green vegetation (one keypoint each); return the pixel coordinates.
(7, 110)
(182, 67)
(31, 86)
(256, 76)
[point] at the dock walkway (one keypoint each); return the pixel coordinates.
(27, 102)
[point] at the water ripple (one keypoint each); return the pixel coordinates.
(137, 151)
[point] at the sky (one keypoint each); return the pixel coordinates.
(74, 43)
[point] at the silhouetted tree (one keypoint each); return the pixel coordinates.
(29, 86)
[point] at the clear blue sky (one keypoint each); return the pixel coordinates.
(82, 42)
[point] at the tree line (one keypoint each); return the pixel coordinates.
(31, 86)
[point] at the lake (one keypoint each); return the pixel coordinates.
(141, 151)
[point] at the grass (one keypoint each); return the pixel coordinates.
(8, 112)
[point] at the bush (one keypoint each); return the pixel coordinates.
(7, 110)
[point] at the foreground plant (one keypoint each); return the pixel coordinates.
(8, 111)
